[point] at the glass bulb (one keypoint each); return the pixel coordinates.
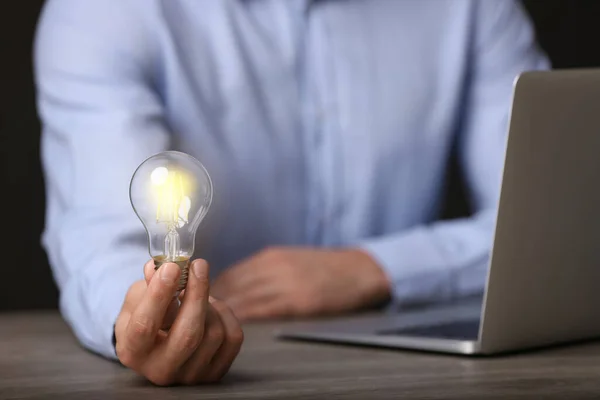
(171, 193)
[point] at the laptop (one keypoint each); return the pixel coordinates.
(543, 283)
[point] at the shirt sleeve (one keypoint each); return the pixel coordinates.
(449, 259)
(100, 119)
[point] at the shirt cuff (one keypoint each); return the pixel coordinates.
(415, 270)
(438, 262)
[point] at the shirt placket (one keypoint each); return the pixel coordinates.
(322, 131)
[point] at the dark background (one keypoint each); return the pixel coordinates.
(567, 30)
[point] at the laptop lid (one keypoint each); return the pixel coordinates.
(544, 281)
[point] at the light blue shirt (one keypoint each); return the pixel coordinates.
(325, 123)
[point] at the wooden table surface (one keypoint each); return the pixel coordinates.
(39, 358)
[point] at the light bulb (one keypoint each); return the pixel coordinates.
(171, 193)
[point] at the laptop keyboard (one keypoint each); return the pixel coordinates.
(459, 330)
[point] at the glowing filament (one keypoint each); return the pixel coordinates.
(171, 190)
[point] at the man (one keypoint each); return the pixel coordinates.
(326, 127)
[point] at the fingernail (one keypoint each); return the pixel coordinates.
(169, 272)
(211, 299)
(199, 268)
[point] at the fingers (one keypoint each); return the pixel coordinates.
(148, 316)
(149, 271)
(198, 367)
(232, 342)
(171, 314)
(134, 295)
(226, 287)
(203, 340)
(187, 331)
(256, 298)
(262, 311)
(239, 278)
(219, 348)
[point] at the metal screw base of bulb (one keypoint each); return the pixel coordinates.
(184, 266)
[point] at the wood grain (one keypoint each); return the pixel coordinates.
(39, 359)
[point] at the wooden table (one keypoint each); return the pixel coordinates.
(39, 358)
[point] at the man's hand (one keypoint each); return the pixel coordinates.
(288, 282)
(168, 344)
